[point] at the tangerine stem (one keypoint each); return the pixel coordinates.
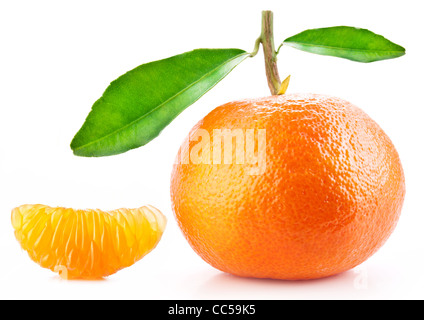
(267, 40)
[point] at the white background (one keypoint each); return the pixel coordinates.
(56, 59)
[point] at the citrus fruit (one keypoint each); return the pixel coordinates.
(87, 244)
(327, 196)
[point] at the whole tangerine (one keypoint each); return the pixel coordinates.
(324, 195)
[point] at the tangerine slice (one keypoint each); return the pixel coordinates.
(87, 244)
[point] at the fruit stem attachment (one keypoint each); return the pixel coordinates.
(270, 55)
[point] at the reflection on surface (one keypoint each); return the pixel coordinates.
(354, 283)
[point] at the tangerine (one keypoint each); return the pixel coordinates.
(328, 196)
(87, 244)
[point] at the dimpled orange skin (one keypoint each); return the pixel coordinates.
(87, 244)
(329, 198)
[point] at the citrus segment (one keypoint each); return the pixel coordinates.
(87, 244)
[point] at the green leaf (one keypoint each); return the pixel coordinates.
(138, 105)
(346, 42)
